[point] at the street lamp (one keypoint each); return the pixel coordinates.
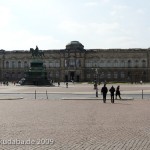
(96, 88)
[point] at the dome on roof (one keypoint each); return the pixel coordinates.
(74, 45)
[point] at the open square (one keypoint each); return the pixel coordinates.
(73, 124)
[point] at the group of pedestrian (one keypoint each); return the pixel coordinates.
(112, 91)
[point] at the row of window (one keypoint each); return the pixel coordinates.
(114, 75)
(115, 63)
(20, 74)
(108, 75)
(72, 63)
(55, 63)
(25, 64)
(16, 64)
(77, 63)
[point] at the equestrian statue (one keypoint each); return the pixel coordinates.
(36, 52)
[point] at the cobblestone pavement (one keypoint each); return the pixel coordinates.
(72, 124)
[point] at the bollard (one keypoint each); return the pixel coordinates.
(46, 94)
(142, 94)
(35, 94)
(96, 92)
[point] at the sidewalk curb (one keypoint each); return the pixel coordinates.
(17, 98)
(78, 98)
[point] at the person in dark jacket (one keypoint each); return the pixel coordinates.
(118, 92)
(104, 91)
(112, 91)
(66, 84)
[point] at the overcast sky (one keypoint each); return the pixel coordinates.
(51, 24)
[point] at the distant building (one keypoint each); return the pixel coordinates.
(79, 64)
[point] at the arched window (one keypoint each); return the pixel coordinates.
(13, 75)
(7, 64)
(78, 63)
(19, 75)
(143, 63)
(102, 75)
(25, 64)
(88, 76)
(13, 64)
(115, 63)
(108, 63)
(136, 63)
(72, 62)
(144, 73)
(90, 63)
(57, 63)
(51, 74)
(108, 75)
(19, 64)
(122, 75)
(94, 63)
(128, 75)
(122, 64)
(51, 63)
(102, 63)
(129, 63)
(57, 74)
(86, 63)
(7, 75)
(115, 75)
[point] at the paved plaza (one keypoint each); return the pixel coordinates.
(51, 123)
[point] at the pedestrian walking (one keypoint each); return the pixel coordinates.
(118, 92)
(66, 84)
(58, 83)
(104, 91)
(112, 91)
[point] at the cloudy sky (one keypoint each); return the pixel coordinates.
(51, 24)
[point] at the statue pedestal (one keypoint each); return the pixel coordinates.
(36, 74)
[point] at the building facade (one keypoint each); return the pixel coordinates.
(79, 64)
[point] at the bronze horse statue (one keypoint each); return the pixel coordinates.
(36, 52)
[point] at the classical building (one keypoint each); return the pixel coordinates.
(79, 64)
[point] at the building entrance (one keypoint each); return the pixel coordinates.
(78, 78)
(66, 78)
(72, 74)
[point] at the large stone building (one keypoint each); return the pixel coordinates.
(79, 64)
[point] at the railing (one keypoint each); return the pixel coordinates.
(36, 95)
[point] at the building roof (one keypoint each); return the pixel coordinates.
(74, 45)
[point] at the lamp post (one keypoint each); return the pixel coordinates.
(96, 88)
